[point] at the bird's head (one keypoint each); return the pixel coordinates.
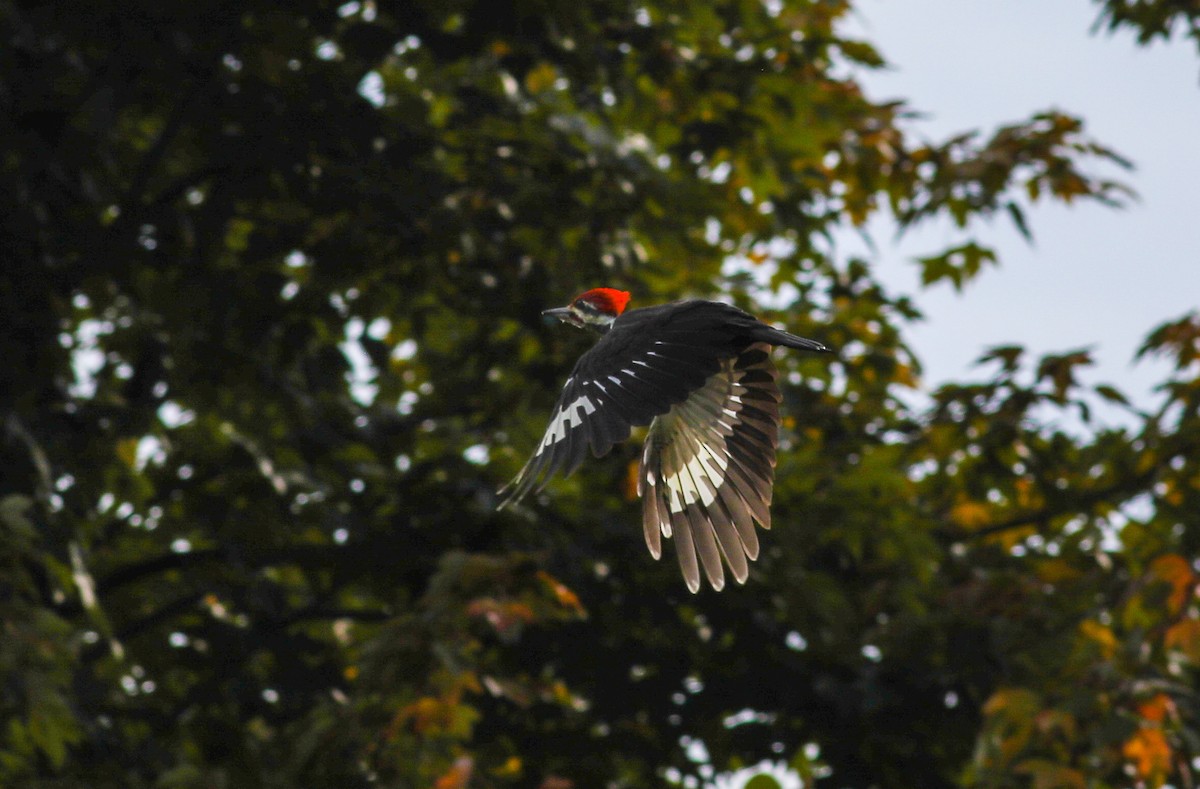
(596, 309)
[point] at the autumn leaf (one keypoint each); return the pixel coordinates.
(1027, 495)
(1184, 637)
(1012, 712)
(540, 77)
(1150, 754)
(970, 514)
(1175, 570)
(425, 714)
(1156, 708)
(458, 776)
(562, 592)
(505, 616)
(1102, 635)
(631, 480)
(510, 769)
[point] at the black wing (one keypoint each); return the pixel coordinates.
(708, 468)
(652, 359)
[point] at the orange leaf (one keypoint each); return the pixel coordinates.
(562, 592)
(1185, 637)
(1027, 495)
(502, 615)
(1176, 571)
(970, 514)
(510, 769)
(631, 480)
(1150, 754)
(1156, 708)
(458, 775)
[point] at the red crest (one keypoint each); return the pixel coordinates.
(606, 299)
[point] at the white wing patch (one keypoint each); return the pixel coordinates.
(697, 480)
(566, 419)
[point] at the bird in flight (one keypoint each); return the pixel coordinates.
(700, 374)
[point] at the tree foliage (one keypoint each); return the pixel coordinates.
(1152, 20)
(271, 291)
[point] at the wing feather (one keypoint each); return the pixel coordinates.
(652, 516)
(701, 528)
(732, 547)
(708, 466)
(686, 552)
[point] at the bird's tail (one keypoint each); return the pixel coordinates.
(780, 337)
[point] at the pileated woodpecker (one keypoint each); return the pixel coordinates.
(700, 374)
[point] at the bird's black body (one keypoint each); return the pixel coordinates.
(700, 374)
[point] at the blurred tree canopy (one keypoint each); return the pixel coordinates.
(270, 287)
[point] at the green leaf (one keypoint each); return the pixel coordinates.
(959, 264)
(763, 781)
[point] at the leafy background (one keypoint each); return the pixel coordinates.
(271, 293)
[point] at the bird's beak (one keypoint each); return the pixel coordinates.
(562, 313)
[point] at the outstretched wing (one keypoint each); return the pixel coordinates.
(628, 378)
(708, 467)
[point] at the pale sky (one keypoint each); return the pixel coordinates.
(1094, 276)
